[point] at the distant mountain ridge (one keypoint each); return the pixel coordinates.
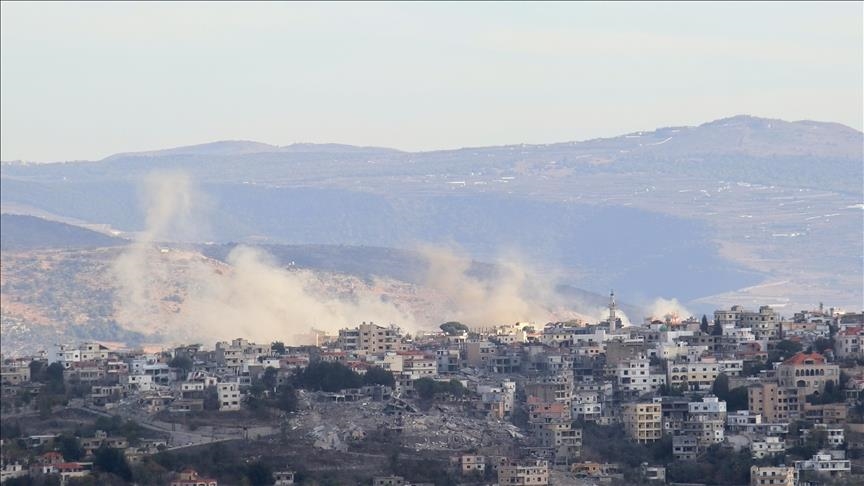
(711, 208)
(735, 126)
(245, 147)
(747, 132)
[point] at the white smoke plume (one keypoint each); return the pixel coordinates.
(251, 297)
(514, 292)
(167, 198)
(187, 297)
(662, 308)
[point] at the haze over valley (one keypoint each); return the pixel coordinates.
(742, 210)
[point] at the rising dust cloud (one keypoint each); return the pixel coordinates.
(252, 296)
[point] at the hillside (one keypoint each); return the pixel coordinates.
(717, 209)
(20, 232)
(66, 295)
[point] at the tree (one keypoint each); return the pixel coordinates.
(54, 378)
(822, 344)
(10, 430)
(211, 398)
(269, 378)
(110, 460)
(425, 388)
(278, 348)
(378, 376)
(259, 474)
(704, 326)
(286, 398)
(737, 399)
(453, 328)
(182, 362)
(70, 447)
(718, 329)
(720, 388)
(37, 371)
(786, 349)
(329, 377)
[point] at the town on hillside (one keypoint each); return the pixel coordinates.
(741, 397)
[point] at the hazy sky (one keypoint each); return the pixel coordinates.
(85, 80)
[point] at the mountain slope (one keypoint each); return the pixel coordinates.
(694, 212)
(20, 232)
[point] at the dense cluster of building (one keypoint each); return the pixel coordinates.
(802, 377)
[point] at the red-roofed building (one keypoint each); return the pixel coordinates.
(51, 457)
(849, 343)
(807, 372)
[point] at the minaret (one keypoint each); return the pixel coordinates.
(613, 320)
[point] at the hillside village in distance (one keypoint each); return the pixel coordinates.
(745, 397)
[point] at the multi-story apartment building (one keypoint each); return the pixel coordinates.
(587, 406)
(849, 343)
(765, 323)
(471, 463)
(524, 473)
(729, 318)
(448, 360)
(230, 398)
(808, 372)
(706, 420)
(685, 447)
(773, 476)
(479, 354)
(737, 316)
(767, 446)
(635, 377)
(14, 373)
(378, 339)
(416, 365)
(643, 421)
(774, 402)
(552, 388)
(695, 376)
(834, 436)
(824, 463)
(237, 356)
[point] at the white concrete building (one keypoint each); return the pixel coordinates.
(230, 398)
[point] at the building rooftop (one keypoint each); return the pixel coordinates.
(803, 358)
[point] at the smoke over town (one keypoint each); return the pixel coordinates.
(513, 292)
(253, 296)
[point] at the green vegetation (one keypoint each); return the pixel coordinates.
(277, 347)
(217, 460)
(110, 460)
(833, 392)
(784, 350)
(736, 399)
(717, 330)
(329, 377)
(453, 328)
(610, 443)
(333, 377)
(378, 376)
(427, 388)
(716, 466)
(182, 362)
(211, 398)
(70, 447)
